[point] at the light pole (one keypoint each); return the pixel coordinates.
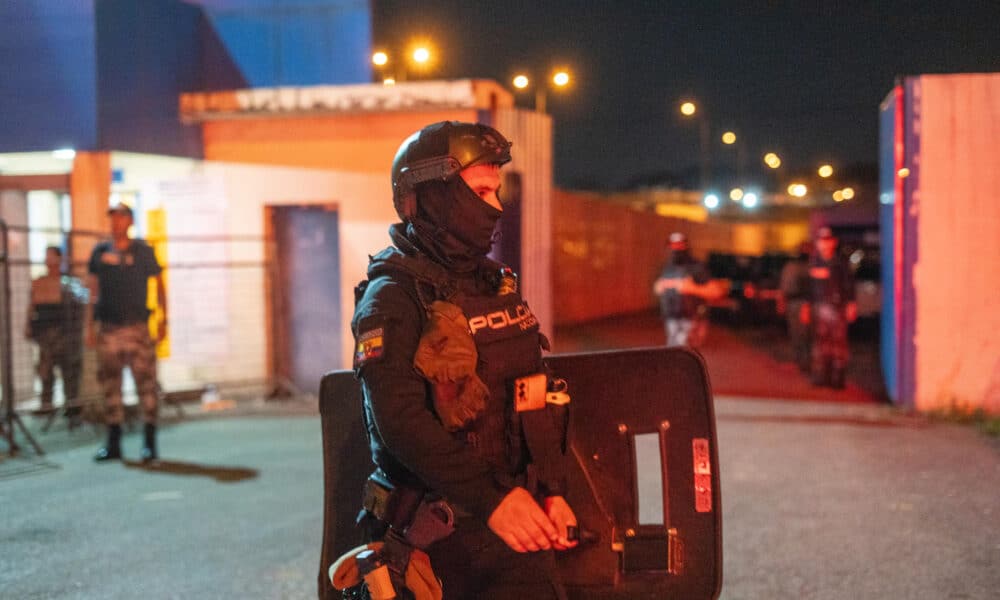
(559, 80)
(690, 110)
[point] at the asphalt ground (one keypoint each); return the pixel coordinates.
(833, 495)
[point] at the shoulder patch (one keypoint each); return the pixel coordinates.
(370, 346)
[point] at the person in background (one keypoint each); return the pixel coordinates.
(831, 309)
(793, 300)
(55, 323)
(120, 270)
(685, 287)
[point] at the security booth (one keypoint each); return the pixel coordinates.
(643, 480)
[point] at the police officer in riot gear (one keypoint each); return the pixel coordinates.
(832, 308)
(440, 431)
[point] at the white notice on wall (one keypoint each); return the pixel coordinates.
(199, 277)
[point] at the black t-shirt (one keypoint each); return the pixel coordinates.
(123, 277)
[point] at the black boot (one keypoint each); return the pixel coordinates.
(113, 449)
(149, 453)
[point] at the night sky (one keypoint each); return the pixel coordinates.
(804, 79)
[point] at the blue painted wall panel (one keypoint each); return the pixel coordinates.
(295, 42)
(887, 201)
(48, 79)
(147, 54)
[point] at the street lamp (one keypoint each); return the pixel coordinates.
(420, 57)
(560, 79)
(825, 171)
(689, 109)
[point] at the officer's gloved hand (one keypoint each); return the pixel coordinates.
(446, 356)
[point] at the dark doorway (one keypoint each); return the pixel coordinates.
(305, 294)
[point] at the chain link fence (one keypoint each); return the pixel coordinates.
(221, 310)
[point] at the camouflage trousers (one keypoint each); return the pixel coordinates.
(685, 332)
(56, 349)
(829, 346)
(798, 334)
(120, 346)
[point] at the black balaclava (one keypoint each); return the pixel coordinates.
(453, 224)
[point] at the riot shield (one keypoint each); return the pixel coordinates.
(643, 481)
(646, 482)
(346, 465)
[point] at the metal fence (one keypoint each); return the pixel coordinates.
(221, 315)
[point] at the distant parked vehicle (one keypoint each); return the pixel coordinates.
(867, 267)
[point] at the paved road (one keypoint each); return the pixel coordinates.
(822, 499)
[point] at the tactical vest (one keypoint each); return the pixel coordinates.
(508, 341)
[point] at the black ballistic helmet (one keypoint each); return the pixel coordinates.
(439, 152)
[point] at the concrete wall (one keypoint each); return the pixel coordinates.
(955, 178)
(605, 255)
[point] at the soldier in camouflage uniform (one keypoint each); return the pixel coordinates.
(55, 320)
(119, 273)
(832, 308)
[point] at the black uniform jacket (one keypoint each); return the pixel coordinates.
(408, 442)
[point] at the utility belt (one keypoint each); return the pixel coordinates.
(418, 517)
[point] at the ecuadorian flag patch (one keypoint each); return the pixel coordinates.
(370, 347)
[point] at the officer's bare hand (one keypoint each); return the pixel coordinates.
(90, 337)
(521, 523)
(561, 516)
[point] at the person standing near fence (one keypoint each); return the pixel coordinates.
(120, 270)
(55, 320)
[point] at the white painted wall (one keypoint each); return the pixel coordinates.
(206, 198)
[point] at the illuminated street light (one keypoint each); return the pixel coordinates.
(736, 194)
(848, 193)
(750, 200)
(903, 173)
(560, 79)
(838, 196)
(711, 201)
(380, 59)
(421, 55)
(825, 171)
(771, 159)
(688, 109)
(798, 190)
(729, 138)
